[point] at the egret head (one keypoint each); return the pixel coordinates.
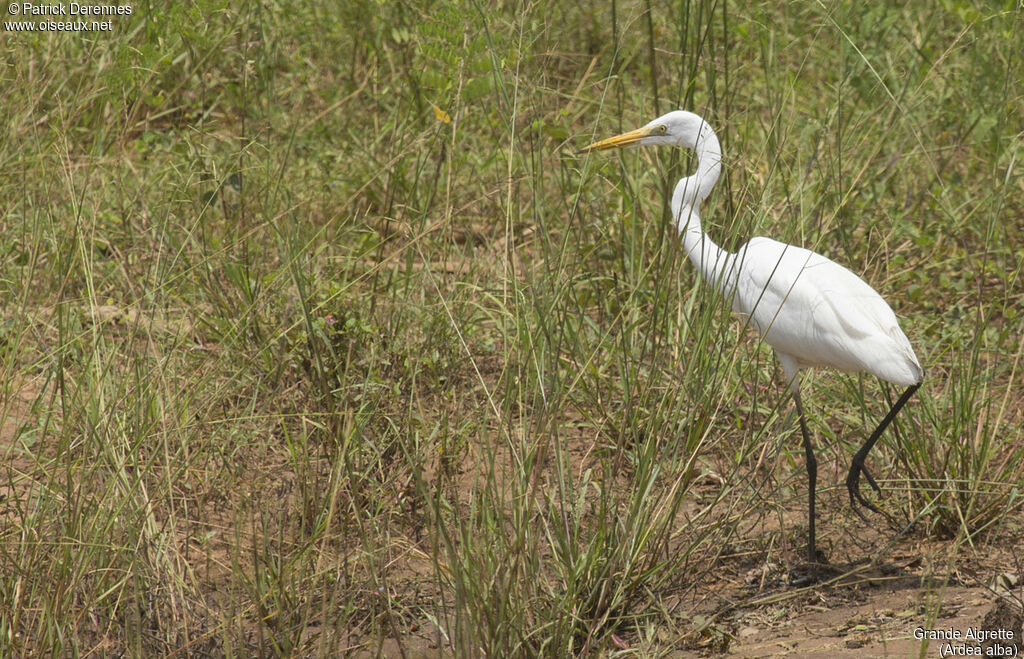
(677, 128)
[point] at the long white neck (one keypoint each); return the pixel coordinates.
(710, 259)
(709, 162)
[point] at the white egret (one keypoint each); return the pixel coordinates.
(811, 310)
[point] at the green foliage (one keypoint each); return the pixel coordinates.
(319, 338)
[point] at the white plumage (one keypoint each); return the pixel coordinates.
(815, 312)
(811, 310)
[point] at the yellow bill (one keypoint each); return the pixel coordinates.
(619, 141)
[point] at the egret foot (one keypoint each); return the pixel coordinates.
(858, 468)
(853, 485)
(809, 574)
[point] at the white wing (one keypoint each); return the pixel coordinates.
(818, 313)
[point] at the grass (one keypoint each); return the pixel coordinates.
(317, 336)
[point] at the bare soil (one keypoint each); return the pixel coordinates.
(885, 591)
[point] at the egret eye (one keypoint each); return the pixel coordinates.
(662, 129)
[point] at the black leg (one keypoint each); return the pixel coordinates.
(858, 468)
(812, 478)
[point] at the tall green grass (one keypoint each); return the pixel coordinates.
(318, 337)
